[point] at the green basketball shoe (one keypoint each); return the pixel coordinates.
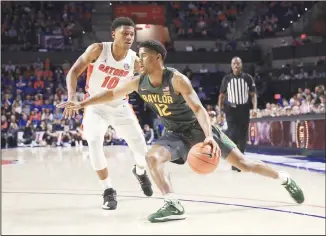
(170, 211)
(294, 190)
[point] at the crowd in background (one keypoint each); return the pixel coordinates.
(303, 102)
(30, 94)
(273, 17)
(205, 19)
(25, 23)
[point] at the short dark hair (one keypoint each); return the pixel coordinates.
(122, 21)
(155, 46)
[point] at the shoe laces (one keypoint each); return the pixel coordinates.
(143, 179)
(291, 187)
(109, 194)
(165, 206)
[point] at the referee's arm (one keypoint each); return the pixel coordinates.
(221, 97)
(252, 92)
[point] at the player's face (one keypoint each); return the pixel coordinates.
(236, 65)
(147, 59)
(124, 36)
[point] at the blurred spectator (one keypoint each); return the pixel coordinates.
(80, 94)
(213, 117)
(66, 137)
(4, 123)
(148, 134)
(304, 102)
(50, 136)
(28, 134)
(12, 135)
(26, 25)
(77, 138)
(203, 69)
(158, 126)
(221, 123)
(204, 19)
(273, 17)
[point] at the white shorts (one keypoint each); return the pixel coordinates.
(97, 118)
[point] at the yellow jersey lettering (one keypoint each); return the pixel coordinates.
(169, 100)
(145, 98)
(162, 109)
(150, 99)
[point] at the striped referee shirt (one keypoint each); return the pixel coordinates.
(237, 88)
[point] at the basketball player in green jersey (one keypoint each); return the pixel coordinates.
(170, 95)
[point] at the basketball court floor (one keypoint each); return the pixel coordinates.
(55, 191)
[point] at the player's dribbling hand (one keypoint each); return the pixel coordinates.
(215, 148)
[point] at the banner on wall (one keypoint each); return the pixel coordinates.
(304, 134)
(142, 14)
(51, 41)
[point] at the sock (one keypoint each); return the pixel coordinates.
(140, 171)
(171, 197)
(283, 177)
(106, 183)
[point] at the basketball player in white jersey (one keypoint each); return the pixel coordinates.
(109, 63)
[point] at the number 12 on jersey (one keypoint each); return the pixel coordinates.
(162, 109)
(110, 82)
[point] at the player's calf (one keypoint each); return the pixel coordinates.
(237, 159)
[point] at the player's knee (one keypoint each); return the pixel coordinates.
(96, 154)
(98, 160)
(151, 159)
(154, 159)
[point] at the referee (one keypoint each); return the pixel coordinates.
(235, 89)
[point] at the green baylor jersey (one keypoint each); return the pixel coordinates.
(175, 113)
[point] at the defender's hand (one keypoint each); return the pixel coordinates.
(70, 108)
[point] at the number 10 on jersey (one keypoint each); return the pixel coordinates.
(110, 82)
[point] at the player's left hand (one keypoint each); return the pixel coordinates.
(215, 148)
(69, 105)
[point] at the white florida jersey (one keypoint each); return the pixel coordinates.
(107, 73)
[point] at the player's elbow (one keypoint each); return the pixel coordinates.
(198, 109)
(72, 73)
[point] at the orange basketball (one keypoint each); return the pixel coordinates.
(200, 160)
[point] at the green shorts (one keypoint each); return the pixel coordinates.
(179, 143)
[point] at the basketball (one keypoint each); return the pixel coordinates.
(199, 159)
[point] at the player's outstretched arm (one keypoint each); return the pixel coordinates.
(119, 92)
(182, 85)
(91, 54)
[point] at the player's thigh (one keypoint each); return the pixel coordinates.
(95, 124)
(129, 129)
(196, 135)
(157, 154)
(176, 145)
